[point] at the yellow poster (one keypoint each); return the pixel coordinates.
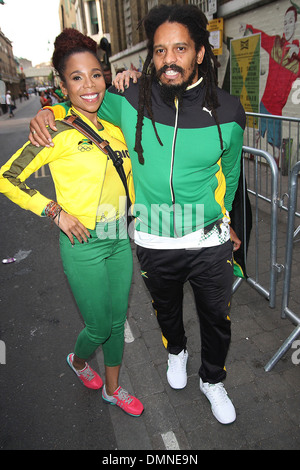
(215, 27)
(245, 71)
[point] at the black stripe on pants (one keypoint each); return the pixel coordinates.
(210, 274)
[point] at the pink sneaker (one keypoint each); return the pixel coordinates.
(88, 376)
(125, 401)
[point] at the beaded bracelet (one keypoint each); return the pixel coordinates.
(52, 210)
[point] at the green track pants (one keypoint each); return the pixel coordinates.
(99, 273)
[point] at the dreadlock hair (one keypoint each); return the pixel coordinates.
(195, 21)
(67, 43)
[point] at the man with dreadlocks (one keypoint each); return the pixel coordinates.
(186, 162)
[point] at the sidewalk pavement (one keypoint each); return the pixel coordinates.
(267, 403)
(19, 105)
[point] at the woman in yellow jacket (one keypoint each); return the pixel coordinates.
(90, 212)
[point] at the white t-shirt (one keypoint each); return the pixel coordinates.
(194, 240)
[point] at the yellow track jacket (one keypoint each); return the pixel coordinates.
(84, 178)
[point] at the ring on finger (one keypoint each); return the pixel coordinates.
(33, 132)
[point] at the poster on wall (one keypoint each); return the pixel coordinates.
(215, 28)
(282, 72)
(245, 71)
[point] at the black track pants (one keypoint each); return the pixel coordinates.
(210, 273)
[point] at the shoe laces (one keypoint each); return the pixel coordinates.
(124, 396)
(87, 373)
(177, 361)
(217, 393)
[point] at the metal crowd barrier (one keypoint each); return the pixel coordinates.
(268, 291)
(289, 150)
(267, 177)
(286, 312)
(286, 155)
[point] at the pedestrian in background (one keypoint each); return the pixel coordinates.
(107, 74)
(90, 204)
(9, 103)
(44, 100)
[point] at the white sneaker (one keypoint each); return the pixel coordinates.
(176, 373)
(221, 405)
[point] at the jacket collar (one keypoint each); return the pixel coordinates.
(194, 84)
(192, 94)
(72, 110)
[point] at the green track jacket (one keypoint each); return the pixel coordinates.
(189, 182)
(78, 170)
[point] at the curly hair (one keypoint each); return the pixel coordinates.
(196, 22)
(67, 43)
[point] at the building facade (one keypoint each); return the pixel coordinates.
(270, 27)
(88, 16)
(9, 68)
(264, 72)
